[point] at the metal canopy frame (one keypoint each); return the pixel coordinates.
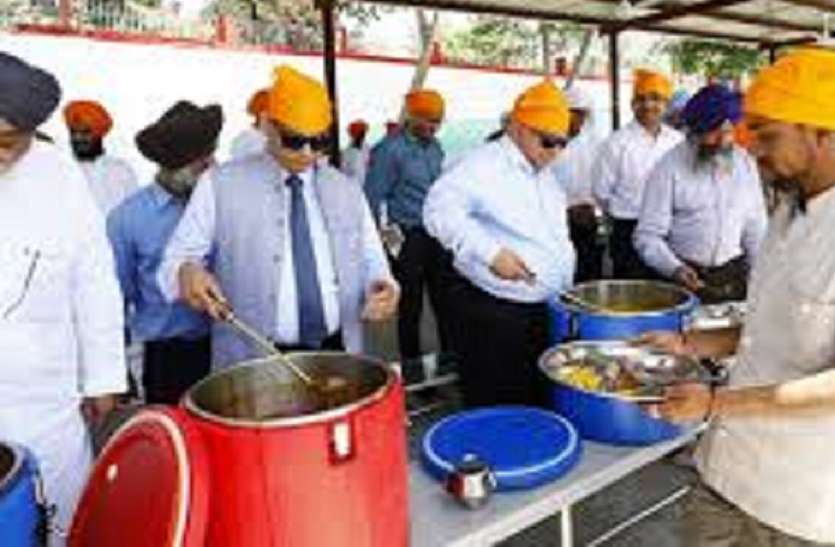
(768, 24)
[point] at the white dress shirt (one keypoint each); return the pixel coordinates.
(574, 168)
(703, 214)
(61, 318)
(494, 199)
(250, 141)
(196, 230)
(110, 179)
(355, 163)
(779, 469)
(624, 161)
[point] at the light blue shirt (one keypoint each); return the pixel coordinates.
(706, 215)
(139, 230)
(495, 199)
(402, 170)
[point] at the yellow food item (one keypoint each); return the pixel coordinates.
(581, 377)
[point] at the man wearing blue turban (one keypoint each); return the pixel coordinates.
(703, 215)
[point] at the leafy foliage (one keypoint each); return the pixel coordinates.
(713, 59)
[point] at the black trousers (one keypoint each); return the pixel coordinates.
(422, 262)
(589, 251)
(172, 366)
(626, 263)
(499, 343)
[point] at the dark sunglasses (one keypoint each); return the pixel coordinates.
(549, 142)
(317, 143)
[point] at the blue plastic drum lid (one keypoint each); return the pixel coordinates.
(19, 512)
(525, 447)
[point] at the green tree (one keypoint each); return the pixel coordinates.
(713, 59)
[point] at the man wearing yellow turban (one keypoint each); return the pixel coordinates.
(282, 239)
(625, 160)
(110, 178)
(766, 459)
(502, 214)
(252, 140)
(402, 169)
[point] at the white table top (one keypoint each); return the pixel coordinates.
(437, 520)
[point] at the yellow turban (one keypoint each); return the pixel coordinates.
(299, 102)
(259, 102)
(425, 103)
(647, 81)
(88, 115)
(542, 107)
(798, 88)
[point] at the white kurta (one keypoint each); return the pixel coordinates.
(61, 323)
(706, 215)
(110, 179)
(779, 469)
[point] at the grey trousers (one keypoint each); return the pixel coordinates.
(712, 521)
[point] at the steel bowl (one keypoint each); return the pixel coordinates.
(616, 418)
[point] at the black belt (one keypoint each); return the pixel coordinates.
(333, 342)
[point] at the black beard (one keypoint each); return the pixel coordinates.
(87, 150)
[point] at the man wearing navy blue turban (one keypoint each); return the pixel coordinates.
(703, 215)
(60, 308)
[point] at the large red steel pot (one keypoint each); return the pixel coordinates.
(285, 473)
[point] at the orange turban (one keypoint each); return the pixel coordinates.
(299, 102)
(259, 102)
(88, 115)
(798, 88)
(357, 128)
(425, 103)
(647, 81)
(542, 107)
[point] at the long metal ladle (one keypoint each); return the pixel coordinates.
(266, 346)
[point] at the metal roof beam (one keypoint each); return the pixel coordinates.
(676, 12)
(485, 8)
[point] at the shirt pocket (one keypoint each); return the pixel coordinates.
(690, 197)
(44, 282)
(810, 328)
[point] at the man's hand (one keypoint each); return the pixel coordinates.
(683, 403)
(96, 409)
(665, 341)
(381, 301)
(687, 276)
(201, 291)
(582, 214)
(509, 266)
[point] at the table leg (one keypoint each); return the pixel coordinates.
(567, 527)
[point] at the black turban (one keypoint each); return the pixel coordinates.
(182, 135)
(28, 95)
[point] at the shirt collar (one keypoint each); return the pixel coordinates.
(516, 156)
(160, 196)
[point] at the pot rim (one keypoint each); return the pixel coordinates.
(295, 421)
(688, 305)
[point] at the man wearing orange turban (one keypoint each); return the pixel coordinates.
(625, 160)
(356, 155)
(252, 140)
(110, 179)
(765, 460)
(502, 214)
(294, 249)
(403, 168)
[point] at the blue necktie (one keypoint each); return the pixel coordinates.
(312, 327)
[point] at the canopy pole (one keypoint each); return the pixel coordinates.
(327, 9)
(614, 77)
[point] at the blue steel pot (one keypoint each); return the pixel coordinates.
(603, 417)
(655, 306)
(19, 513)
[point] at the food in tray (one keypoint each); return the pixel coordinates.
(609, 375)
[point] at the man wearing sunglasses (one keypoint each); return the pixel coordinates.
(703, 215)
(400, 174)
(502, 214)
(624, 162)
(282, 239)
(61, 322)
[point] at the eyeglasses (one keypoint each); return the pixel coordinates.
(317, 143)
(549, 142)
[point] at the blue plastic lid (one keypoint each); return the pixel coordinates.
(525, 447)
